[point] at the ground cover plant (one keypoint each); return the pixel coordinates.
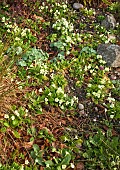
(59, 103)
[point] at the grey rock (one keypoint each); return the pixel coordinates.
(109, 22)
(77, 6)
(110, 53)
(81, 106)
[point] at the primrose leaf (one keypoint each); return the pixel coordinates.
(16, 134)
(49, 163)
(6, 124)
(22, 63)
(66, 159)
(36, 148)
(39, 161)
(15, 122)
(18, 50)
(33, 155)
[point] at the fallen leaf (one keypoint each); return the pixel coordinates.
(28, 145)
(39, 18)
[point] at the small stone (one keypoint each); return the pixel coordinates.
(77, 6)
(82, 113)
(113, 77)
(110, 54)
(81, 106)
(101, 67)
(96, 109)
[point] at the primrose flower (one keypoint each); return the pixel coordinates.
(102, 61)
(26, 162)
(8, 30)
(6, 116)
(59, 90)
(103, 81)
(72, 165)
(49, 94)
(99, 56)
(64, 6)
(17, 39)
(89, 85)
(65, 22)
(110, 99)
(67, 103)
(60, 102)
(65, 95)
(64, 166)
(56, 100)
(42, 71)
(23, 33)
(17, 113)
(88, 94)
(75, 98)
(3, 19)
(107, 69)
(68, 39)
(46, 100)
(101, 86)
(62, 107)
(85, 68)
(98, 95)
(13, 117)
(94, 93)
(111, 116)
(51, 10)
(91, 71)
(89, 66)
(72, 102)
(112, 105)
(53, 85)
(40, 90)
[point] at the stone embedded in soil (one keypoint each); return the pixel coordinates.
(101, 67)
(110, 53)
(96, 109)
(113, 77)
(109, 22)
(77, 6)
(82, 113)
(81, 106)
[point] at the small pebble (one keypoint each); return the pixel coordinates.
(96, 109)
(81, 106)
(94, 119)
(82, 113)
(101, 67)
(113, 77)
(77, 6)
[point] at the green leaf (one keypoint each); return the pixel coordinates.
(49, 163)
(39, 161)
(58, 168)
(33, 155)
(36, 148)
(15, 122)
(22, 63)
(16, 134)
(19, 50)
(66, 160)
(3, 129)
(6, 124)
